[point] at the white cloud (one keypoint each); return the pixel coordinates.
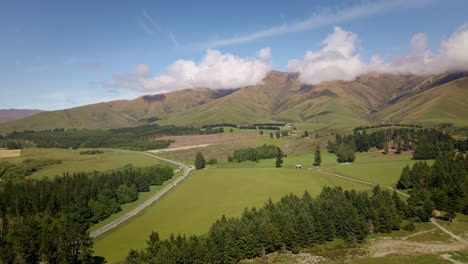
(264, 54)
(215, 70)
(142, 70)
(322, 18)
(451, 56)
(338, 59)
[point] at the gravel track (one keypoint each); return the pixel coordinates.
(148, 202)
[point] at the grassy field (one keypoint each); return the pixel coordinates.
(376, 167)
(190, 209)
(72, 161)
(372, 166)
(205, 196)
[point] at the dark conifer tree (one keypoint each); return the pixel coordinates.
(199, 161)
(318, 158)
(279, 159)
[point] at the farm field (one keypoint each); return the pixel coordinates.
(372, 166)
(376, 168)
(7, 153)
(207, 195)
(227, 188)
(72, 161)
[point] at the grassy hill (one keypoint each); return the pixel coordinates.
(446, 103)
(115, 114)
(14, 114)
(371, 98)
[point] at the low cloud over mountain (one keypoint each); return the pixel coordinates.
(339, 58)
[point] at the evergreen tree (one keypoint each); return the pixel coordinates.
(318, 158)
(399, 149)
(126, 194)
(385, 152)
(405, 181)
(199, 161)
(292, 223)
(279, 159)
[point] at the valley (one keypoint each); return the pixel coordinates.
(193, 132)
(226, 189)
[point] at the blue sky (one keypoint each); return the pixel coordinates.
(61, 54)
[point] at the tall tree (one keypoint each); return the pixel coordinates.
(318, 158)
(279, 159)
(199, 161)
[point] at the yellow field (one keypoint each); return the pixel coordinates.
(7, 153)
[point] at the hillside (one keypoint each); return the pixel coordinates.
(114, 114)
(371, 98)
(14, 114)
(446, 103)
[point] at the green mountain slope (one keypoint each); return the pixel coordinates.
(114, 114)
(447, 103)
(371, 98)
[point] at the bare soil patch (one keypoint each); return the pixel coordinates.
(6, 153)
(191, 140)
(287, 257)
(384, 247)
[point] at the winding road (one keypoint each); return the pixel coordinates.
(433, 220)
(148, 202)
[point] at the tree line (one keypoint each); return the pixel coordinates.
(255, 154)
(269, 124)
(269, 128)
(219, 125)
(426, 143)
(11, 144)
(291, 223)
(10, 171)
(385, 125)
(47, 220)
(132, 138)
(442, 186)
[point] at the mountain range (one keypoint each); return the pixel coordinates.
(281, 97)
(14, 114)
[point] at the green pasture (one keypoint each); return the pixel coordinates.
(73, 161)
(205, 196)
(376, 168)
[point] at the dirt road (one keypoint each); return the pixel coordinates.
(443, 229)
(148, 202)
